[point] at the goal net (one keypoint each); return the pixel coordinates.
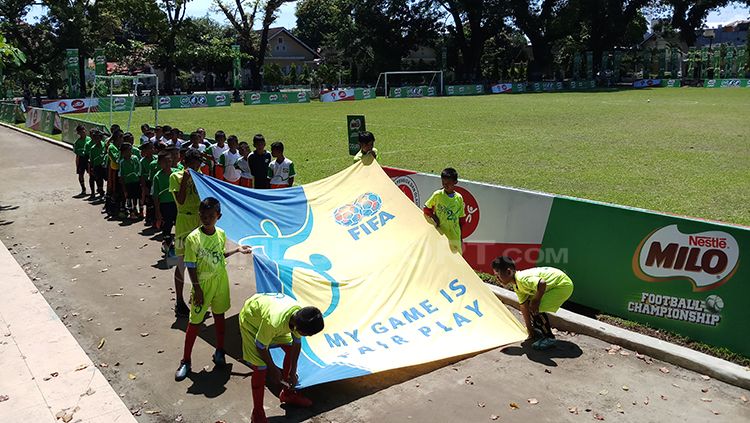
(114, 99)
(409, 84)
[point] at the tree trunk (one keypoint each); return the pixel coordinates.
(541, 65)
(82, 74)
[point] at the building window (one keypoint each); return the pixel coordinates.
(281, 40)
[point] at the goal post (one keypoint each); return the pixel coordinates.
(433, 75)
(107, 96)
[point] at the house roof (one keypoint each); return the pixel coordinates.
(274, 31)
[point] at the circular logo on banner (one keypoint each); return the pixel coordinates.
(408, 187)
(342, 94)
(471, 206)
(77, 104)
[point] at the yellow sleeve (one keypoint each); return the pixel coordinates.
(432, 201)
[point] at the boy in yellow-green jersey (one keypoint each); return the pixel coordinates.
(540, 290)
(80, 147)
(366, 146)
(205, 259)
(446, 208)
(181, 185)
(275, 320)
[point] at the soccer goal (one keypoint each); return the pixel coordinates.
(411, 83)
(113, 98)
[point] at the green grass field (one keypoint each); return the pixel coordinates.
(687, 151)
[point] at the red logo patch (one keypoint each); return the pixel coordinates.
(471, 206)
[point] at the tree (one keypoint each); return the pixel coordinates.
(253, 46)
(316, 19)
(688, 16)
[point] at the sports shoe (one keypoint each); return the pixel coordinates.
(292, 397)
(259, 416)
(181, 310)
(182, 372)
(83, 191)
(164, 247)
(543, 344)
(220, 358)
(171, 252)
(92, 197)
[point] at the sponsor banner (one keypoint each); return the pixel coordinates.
(647, 83)
(540, 87)
(287, 97)
(499, 220)
(455, 90)
(726, 83)
(671, 83)
(100, 62)
(346, 94)
(582, 85)
(236, 67)
(379, 317)
(72, 71)
(68, 126)
(43, 120)
(354, 125)
(11, 113)
(115, 104)
(193, 101)
(508, 88)
(70, 105)
(412, 92)
(364, 93)
(686, 276)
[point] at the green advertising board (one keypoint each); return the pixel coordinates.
(115, 104)
(68, 125)
(193, 100)
(42, 120)
(72, 71)
(726, 83)
(100, 62)
(364, 93)
(456, 90)
(671, 83)
(11, 113)
(679, 274)
(236, 67)
(354, 125)
(291, 97)
(581, 85)
(589, 65)
(412, 92)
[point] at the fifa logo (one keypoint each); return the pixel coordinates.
(363, 216)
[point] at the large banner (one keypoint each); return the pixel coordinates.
(256, 98)
(72, 71)
(236, 67)
(415, 301)
(684, 275)
(454, 90)
(348, 94)
(193, 100)
(354, 125)
(70, 105)
(43, 120)
(11, 113)
(647, 83)
(100, 62)
(508, 88)
(68, 127)
(412, 92)
(671, 83)
(364, 93)
(726, 83)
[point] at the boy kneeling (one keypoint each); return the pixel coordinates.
(275, 320)
(540, 290)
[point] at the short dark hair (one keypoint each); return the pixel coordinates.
(166, 128)
(114, 127)
(147, 145)
(233, 138)
(145, 127)
(194, 136)
(164, 154)
(210, 203)
(278, 145)
(126, 146)
(245, 144)
(309, 320)
(503, 263)
(157, 128)
(220, 134)
(366, 137)
(259, 138)
(127, 137)
(449, 173)
(193, 154)
(80, 127)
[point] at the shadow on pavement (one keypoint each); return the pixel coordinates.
(562, 349)
(210, 383)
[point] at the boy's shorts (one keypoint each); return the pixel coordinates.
(215, 296)
(277, 186)
(250, 350)
(82, 165)
(554, 298)
(133, 190)
(100, 173)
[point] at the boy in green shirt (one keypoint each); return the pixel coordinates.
(186, 198)
(164, 205)
(130, 178)
(97, 163)
(147, 157)
(114, 205)
(540, 290)
(205, 259)
(82, 160)
(446, 208)
(275, 320)
(366, 146)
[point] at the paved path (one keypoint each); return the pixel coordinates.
(66, 244)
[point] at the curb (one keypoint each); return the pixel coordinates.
(37, 136)
(686, 358)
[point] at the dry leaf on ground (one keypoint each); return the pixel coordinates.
(532, 401)
(664, 370)
(101, 344)
(514, 406)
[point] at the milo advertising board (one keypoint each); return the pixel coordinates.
(257, 97)
(354, 125)
(412, 92)
(115, 104)
(69, 125)
(193, 101)
(726, 83)
(455, 90)
(364, 93)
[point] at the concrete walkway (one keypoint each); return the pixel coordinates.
(44, 374)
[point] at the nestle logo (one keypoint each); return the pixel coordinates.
(273, 97)
(707, 259)
(119, 101)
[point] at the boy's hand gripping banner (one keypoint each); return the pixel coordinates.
(391, 291)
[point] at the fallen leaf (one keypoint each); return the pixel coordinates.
(743, 398)
(664, 397)
(704, 377)
(716, 413)
(548, 371)
(81, 367)
(153, 411)
(118, 329)
(101, 344)
(615, 347)
(144, 334)
(598, 416)
(481, 404)
(675, 385)
(117, 247)
(532, 401)
(54, 374)
(494, 417)
(664, 370)
(468, 380)
(178, 418)
(704, 390)
(4, 398)
(142, 299)
(104, 365)
(88, 392)
(76, 266)
(159, 351)
(625, 388)
(646, 401)
(131, 376)
(573, 410)
(624, 352)
(104, 270)
(603, 392)
(114, 295)
(704, 399)
(140, 363)
(514, 406)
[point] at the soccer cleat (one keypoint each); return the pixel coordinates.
(219, 358)
(92, 197)
(543, 344)
(182, 372)
(181, 310)
(292, 397)
(258, 417)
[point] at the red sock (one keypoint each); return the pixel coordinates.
(219, 323)
(190, 335)
(258, 383)
(287, 362)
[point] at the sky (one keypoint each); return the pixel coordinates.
(199, 8)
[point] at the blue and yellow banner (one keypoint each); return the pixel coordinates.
(392, 292)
